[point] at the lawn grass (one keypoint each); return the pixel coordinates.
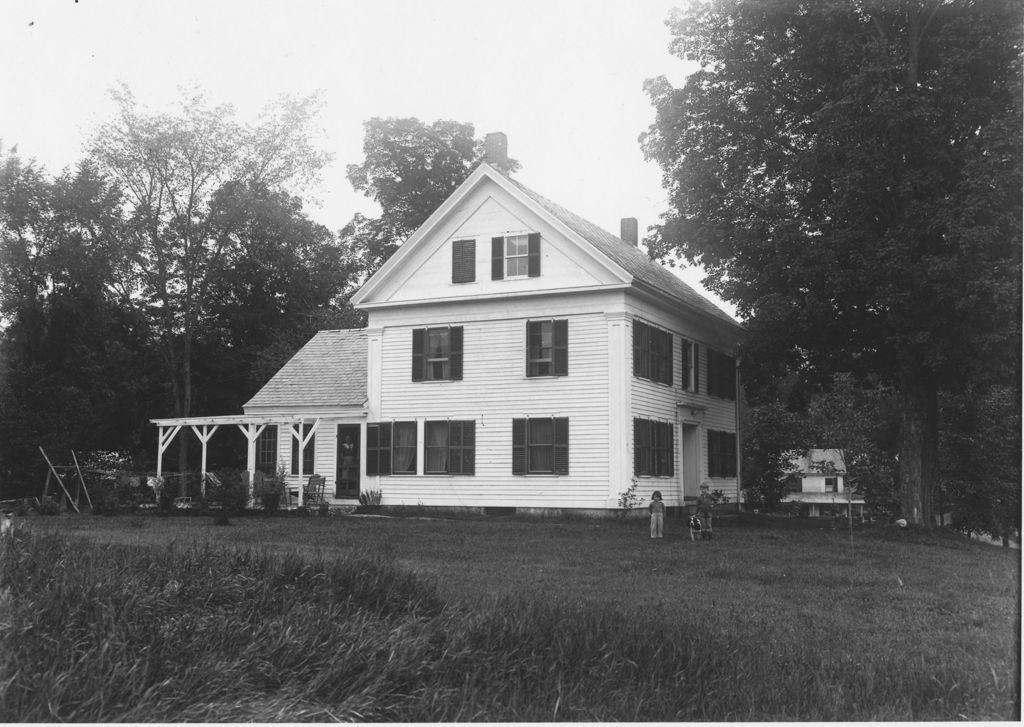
(504, 619)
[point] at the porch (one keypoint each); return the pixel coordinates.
(339, 466)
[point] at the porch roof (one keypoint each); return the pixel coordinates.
(242, 419)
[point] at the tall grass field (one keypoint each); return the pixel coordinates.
(148, 619)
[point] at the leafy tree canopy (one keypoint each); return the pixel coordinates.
(849, 173)
(410, 169)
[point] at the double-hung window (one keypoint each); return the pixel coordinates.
(540, 446)
(721, 454)
(515, 256)
(721, 375)
(652, 353)
(689, 369)
(450, 448)
(391, 448)
(266, 450)
(308, 459)
(653, 448)
(831, 484)
(437, 354)
(547, 348)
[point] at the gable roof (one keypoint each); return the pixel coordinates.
(633, 265)
(329, 371)
(646, 273)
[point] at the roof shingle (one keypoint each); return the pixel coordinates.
(645, 271)
(329, 371)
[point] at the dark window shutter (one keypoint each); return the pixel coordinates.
(638, 460)
(497, 258)
(372, 449)
(533, 263)
(665, 358)
(455, 352)
(469, 448)
(419, 346)
(669, 446)
(463, 261)
(533, 331)
(385, 449)
(519, 446)
(560, 352)
(561, 446)
(696, 369)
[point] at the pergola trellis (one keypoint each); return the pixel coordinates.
(250, 426)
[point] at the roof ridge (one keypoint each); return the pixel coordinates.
(629, 257)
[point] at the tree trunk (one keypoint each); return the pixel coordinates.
(919, 443)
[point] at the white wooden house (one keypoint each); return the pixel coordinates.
(515, 355)
(817, 481)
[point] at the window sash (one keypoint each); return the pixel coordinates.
(652, 353)
(653, 448)
(721, 454)
(403, 448)
(540, 446)
(266, 450)
(547, 348)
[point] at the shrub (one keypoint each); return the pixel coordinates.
(229, 489)
(270, 491)
(48, 506)
(369, 497)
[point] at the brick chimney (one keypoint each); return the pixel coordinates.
(628, 230)
(496, 150)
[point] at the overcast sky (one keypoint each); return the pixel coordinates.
(562, 78)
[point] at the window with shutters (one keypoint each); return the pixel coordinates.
(653, 448)
(721, 454)
(721, 375)
(308, 452)
(540, 446)
(464, 261)
(266, 450)
(378, 448)
(547, 348)
(450, 448)
(403, 448)
(831, 484)
(515, 256)
(689, 372)
(437, 354)
(652, 353)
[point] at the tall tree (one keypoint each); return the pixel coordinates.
(74, 357)
(176, 170)
(849, 173)
(409, 169)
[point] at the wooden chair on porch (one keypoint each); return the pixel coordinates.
(314, 492)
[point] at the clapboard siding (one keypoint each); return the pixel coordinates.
(660, 402)
(493, 391)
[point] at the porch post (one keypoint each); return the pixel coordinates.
(252, 433)
(163, 442)
(204, 437)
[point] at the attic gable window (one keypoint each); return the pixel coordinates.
(463, 261)
(515, 256)
(547, 348)
(437, 354)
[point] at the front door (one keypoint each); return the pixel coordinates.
(347, 476)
